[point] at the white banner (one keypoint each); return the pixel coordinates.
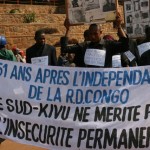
(62, 108)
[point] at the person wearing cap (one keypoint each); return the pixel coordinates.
(96, 53)
(4, 52)
(41, 52)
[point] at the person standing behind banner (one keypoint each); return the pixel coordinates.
(79, 53)
(95, 53)
(118, 60)
(144, 48)
(40, 52)
(132, 54)
(79, 62)
(6, 55)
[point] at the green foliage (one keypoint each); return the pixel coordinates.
(13, 11)
(30, 17)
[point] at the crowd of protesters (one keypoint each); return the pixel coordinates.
(74, 56)
(124, 50)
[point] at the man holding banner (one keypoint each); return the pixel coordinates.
(96, 53)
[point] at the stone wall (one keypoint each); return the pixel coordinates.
(21, 34)
(38, 9)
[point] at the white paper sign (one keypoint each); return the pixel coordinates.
(143, 48)
(40, 60)
(116, 61)
(95, 57)
(129, 55)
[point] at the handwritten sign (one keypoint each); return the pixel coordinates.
(116, 61)
(43, 60)
(95, 57)
(129, 55)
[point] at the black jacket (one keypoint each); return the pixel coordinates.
(134, 50)
(145, 57)
(45, 50)
(79, 49)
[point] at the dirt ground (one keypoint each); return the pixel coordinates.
(10, 145)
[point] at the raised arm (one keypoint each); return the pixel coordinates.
(67, 26)
(118, 23)
(64, 41)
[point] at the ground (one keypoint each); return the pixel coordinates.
(10, 145)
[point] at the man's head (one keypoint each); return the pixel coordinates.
(40, 37)
(95, 33)
(147, 32)
(3, 41)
